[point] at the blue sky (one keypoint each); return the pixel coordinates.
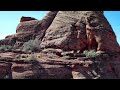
(10, 19)
(114, 19)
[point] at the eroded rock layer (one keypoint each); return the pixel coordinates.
(107, 66)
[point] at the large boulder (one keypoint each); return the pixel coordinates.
(80, 30)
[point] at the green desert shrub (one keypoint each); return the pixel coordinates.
(31, 45)
(5, 47)
(90, 53)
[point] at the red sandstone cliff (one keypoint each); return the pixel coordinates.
(64, 36)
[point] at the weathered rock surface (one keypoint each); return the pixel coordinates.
(5, 70)
(101, 67)
(27, 26)
(80, 30)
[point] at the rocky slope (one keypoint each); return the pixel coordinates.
(74, 45)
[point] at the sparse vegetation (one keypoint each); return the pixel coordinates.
(5, 48)
(90, 53)
(32, 46)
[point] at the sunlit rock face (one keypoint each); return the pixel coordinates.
(80, 30)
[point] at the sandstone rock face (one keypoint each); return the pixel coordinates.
(103, 33)
(35, 25)
(80, 30)
(34, 28)
(44, 71)
(105, 67)
(27, 26)
(5, 70)
(23, 19)
(33, 70)
(46, 22)
(102, 68)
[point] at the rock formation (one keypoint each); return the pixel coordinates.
(103, 67)
(23, 19)
(80, 30)
(64, 36)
